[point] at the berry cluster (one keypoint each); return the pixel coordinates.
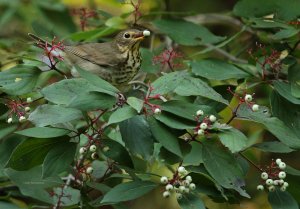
(273, 176)
(247, 99)
(87, 169)
(180, 183)
(18, 109)
(203, 124)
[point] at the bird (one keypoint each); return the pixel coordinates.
(117, 61)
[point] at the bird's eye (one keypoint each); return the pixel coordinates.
(127, 35)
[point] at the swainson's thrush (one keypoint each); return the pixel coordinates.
(117, 61)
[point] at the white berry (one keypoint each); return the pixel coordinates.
(94, 156)
(278, 160)
(255, 108)
(28, 100)
(9, 120)
(212, 118)
(200, 132)
(93, 148)
(188, 178)
(264, 175)
(282, 165)
(146, 33)
(248, 97)
(283, 188)
(282, 175)
(181, 188)
(199, 112)
(27, 109)
(166, 194)
(275, 182)
(178, 196)
(192, 186)
(82, 150)
(164, 180)
(22, 119)
(269, 182)
(260, 187)
(105, 149)
(169, 187)
(285, 184)
(157, 110)
(186, 183)
(181, 170)
(271, 188)
(203, 126)
(89, 170)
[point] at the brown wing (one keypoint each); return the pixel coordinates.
(103, 54)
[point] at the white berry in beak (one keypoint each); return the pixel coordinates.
(146, 33)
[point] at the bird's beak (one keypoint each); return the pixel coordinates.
(139, 36)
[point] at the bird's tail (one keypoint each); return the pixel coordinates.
(39, 41)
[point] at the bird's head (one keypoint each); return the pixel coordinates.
(129, 38)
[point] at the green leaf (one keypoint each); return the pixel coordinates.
(233, 139)
(274, 146)
(64, 91)
(116, 22)
(8, 205)
(183, 84)
(282, 200)
(292, 171)
(294, 78)
(273, 124)
(284, 90)
(122, 114)
(165, 136)
(7, 146)
(195, 87)
(216, 70)
(286, 111)
(19, 80)
(283, 9)
(191, 201)
(185, 109)
(128, 191)
(137, 136)
(195, 155)
(136, 103)
(53, 114)
(223, 167)
(92, 101)
(186, 33)
(59, 159)
(102, 85)
(70, 196)
(117, 152)
(168, 82)
(43, 132)
(31, 184)
(174, 122)
(31, 152)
